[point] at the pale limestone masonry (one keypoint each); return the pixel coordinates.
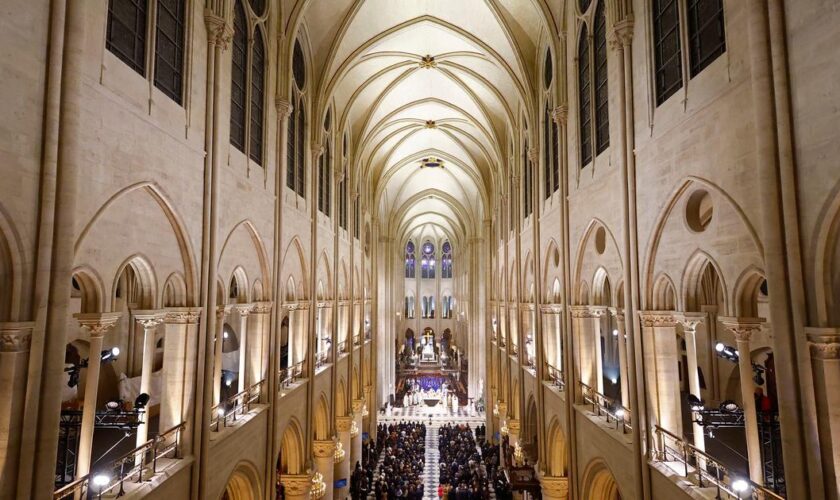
(589, 296)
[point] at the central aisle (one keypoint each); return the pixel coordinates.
(431, 471)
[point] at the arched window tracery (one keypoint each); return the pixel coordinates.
(295, 139)
(410, 260)
(427, 264)
(247, 89)
(446, 260)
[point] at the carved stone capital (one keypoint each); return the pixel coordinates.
(219, 27)
(221, 311)
(296, 484)
(502, 407)
(742, 328)
(323, 448)
(621, 35)
(97, 324)
(555, 487)
(690, 321)
(824, 343)
(284, 108)
(263, 307)
(182, 315)
(316, 153)
(560, 114)
(358, 406)
(149, 319)
(16, 337)
(514, 426)
(343, 424)
(618, 314)
(658, 319)
(587, 311)
(243, 309)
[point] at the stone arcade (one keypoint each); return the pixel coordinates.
(241, 241)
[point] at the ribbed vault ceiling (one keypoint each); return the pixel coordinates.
(369, 68)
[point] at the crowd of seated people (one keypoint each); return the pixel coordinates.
(404, 448)
(461, 474)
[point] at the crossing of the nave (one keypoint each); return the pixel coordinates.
(463, 249)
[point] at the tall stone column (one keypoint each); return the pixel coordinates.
(296, 486)
(218, 345)
(243, 310)
(690, 322)
(355, 432)
(514, 430)
(258, 350)
(343, 468)
(585, 320)
(743, 330)
(661, 366)
(177, 399)
(15, 340)
(825, 363)
(324, 452)
(554, 487)
(96, 325)
(622, 357)
(149, 320)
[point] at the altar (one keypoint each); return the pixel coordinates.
(428, 352)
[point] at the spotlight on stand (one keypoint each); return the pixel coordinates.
(695, 403)
(729, 406)
(727, 352)
(141, 401)
(740, 486)
(109, 354)
(113, 405)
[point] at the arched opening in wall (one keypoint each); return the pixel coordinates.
(664, 296)
(341, 399)
(6, 279)
(556, 449)
(257, 293)
(284, 342)
(608, 335)
(175, 291)
(705, 293)
(134, 296)
(321, 427)
(290, 459)
(230, 362)
(699, 210)
(238, 287)
(243, 484)
(599, 483)
(530, 436)
(405, 353)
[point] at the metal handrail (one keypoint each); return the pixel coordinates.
(708, 470)
(290, 375)
(240, 402)
(605, 405)
(125, 467)
(557, 376)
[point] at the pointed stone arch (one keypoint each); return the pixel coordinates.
(292, 456)
(321, 421)
(557, 447)
(673, 230)
(294, 267)
(599, 482)
(175, 222)
(13, 268)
